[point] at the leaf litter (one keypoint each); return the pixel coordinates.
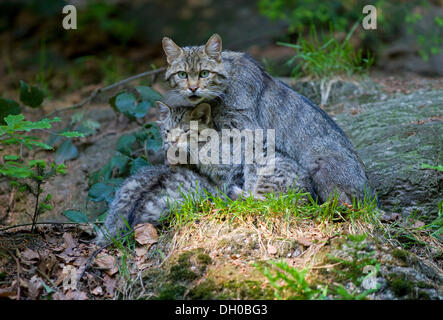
(47, 265)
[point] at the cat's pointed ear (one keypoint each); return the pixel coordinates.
(172, 50)
(164, 109)
(213, 47)
(202, 113)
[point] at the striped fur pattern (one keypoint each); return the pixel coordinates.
(148, 195)
(247, 97)
(239, 179)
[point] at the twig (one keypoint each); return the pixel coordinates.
(18, 273)
(96, 252)
(30, 224)
(97, 91)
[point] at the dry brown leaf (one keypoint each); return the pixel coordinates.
(69, 276)
(10, 292)
(71, 295)
(29, 255)
(304, 242)
(98, 291)
(418, 224)
(34, 287)
(145, 234)
(47, 263)
(110, 284)
(107, 262)
(140, 252)
(69, 242)
(272, 249)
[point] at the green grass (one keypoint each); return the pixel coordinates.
(291, 205)
(324, 56)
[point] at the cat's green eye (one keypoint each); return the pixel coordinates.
(182, 74)
(204, 73)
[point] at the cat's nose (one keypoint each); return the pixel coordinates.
(193, 88)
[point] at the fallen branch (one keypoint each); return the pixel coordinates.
(30, 224)
(97, 91)
(96, 252)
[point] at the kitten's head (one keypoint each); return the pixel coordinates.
(175, 123)
(196, 73)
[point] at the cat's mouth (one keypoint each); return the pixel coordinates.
(194, 98)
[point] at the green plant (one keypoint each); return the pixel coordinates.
(326, 57)
(392, 17)
(300, 14)
(133, 149)
(24, 174)
(290, 283)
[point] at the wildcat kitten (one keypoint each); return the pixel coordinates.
(286, 174)
(245, 96)
(148, 195)
(176, 131)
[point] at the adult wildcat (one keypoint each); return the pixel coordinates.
(244, 96)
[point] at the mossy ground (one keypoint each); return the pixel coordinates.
(230, 250)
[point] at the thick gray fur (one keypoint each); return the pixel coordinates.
(249, 98)
(148, 195)
(238, 179)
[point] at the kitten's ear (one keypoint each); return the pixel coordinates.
(164, 109)
(213, 47)
(172, 50)
(202, 113)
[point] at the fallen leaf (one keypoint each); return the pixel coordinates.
(272, 249)
(140, 252)
(34, 287)
(145, 234)
(71, 295)
(110, 284)
(98, 291)
(69, 243)
(107, 262)
(10, 292)
(69, 274)
(30, 255)
(418, 224)
(304, 242)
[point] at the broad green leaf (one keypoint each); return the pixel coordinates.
(153, 139)
(137, 164)
(76, 216)
(11, 157)
(125, 142)
(141, 109)
(8, 107)
(100, 191)
(16, 171)
(148, 94)
(66, 151)
(31, 96)
(125, 103)
(38, 163)
(119, 161)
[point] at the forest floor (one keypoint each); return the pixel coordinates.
(217, 255)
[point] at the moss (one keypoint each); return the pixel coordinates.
(170, 291)
(204, 291)
(401, 255)
(400, 285)
(423, 295)
(204, 258)
(423, 285)
(182, 270)
(232, 289)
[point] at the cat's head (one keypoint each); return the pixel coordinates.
(175, 123)
(197, 72)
